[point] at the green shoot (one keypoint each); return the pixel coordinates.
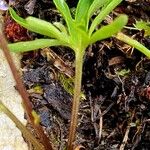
(123, 72)
(78, 34)
(142, 25)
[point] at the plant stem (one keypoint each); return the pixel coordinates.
(76, 98)
(25, 97)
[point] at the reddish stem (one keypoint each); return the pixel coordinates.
(25, 97)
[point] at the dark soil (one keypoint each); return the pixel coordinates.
(116, 112)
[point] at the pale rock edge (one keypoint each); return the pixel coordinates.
(10, 136)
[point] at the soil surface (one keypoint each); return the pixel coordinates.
(116, 83)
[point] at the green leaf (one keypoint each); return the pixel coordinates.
(101, 16)
(33, 45)
(64, 10)
(61, 27)
(97, 4)
(123, 72)
(82, 12)
(142, 25)
(122, 37)
(36, 25)
(109, 30)
(76, 34)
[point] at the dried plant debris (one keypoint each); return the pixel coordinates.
(38, 75)
(53, 92)
(59, 99)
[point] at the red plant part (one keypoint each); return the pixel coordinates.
(13, 31)
(148, 92)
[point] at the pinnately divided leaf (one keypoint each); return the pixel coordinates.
(78, 33)
(33, 45)
(82, 12)
(109, 30)
(61, 27)
(36, 25)
(65, 11)
(95, 6)
(101, 16)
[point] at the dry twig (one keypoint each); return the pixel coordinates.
(124, 142)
